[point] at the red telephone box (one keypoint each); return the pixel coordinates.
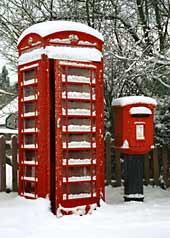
(133, 124)
(61, 121)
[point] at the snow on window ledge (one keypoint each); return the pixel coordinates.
(76, 196)
(78, 144)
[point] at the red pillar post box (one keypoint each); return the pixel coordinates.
(61, 121)
(133, 133)
(133, 124)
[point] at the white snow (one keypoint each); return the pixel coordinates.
(77, 64)
(58, 40)
(30, 56)
(29, 67)
(29, 146)
(137, 195)
(8, 177)
(30, 162)
(31, 195)
(123, 101)
(5, 92)
(81, 112)
(72, 128)
(140, 110)
(79, 144)
(80, 178)
(28, 82)
(125, 145)
(8, 131)
(79, 210)
(30, 114)
(77, 95)
(80, 195)
(49, 27)
(73, 53)
(81, 42)
(26, 218)
(78, 161)
(63, 53)
(30, 178)
(76, 78)
(30, 130)
(31, 97)
(67, 41)
(11, 107)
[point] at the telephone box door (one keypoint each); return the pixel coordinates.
(76, 126)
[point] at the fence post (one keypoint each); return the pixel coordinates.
(117, 167)
(165, 165)
(14, 164)
(108, 159)
(155, 167)
(146, 169)
(2, 165)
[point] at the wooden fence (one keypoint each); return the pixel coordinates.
(156, 166)
(8, 157)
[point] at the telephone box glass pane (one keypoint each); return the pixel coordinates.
(29, 74)
(30, 123)
(30, 107)
(82, 172)
(30, 155)
(29, 91)
(77, 191)
(30, 139)
(29, 187)
(29, 171)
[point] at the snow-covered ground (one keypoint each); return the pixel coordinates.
(24, 218)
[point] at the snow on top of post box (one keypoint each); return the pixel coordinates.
(46, 28)
(124, 101)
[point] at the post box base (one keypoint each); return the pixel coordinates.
(133, 185)
(129, 199)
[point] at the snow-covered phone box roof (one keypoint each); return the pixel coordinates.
(63, 53)
(130, 100)
(49, 27)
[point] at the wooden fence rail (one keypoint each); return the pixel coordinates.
(8, 156)
(156, 166)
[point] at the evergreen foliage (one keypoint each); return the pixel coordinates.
(162, 121)
(9, 91)
(4, 79)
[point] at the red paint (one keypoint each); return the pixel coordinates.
(137, 129)
(44, 163)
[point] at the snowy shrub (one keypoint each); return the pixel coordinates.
(162, 121)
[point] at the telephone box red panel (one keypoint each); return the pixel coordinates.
(61, 116)
(133, 124)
